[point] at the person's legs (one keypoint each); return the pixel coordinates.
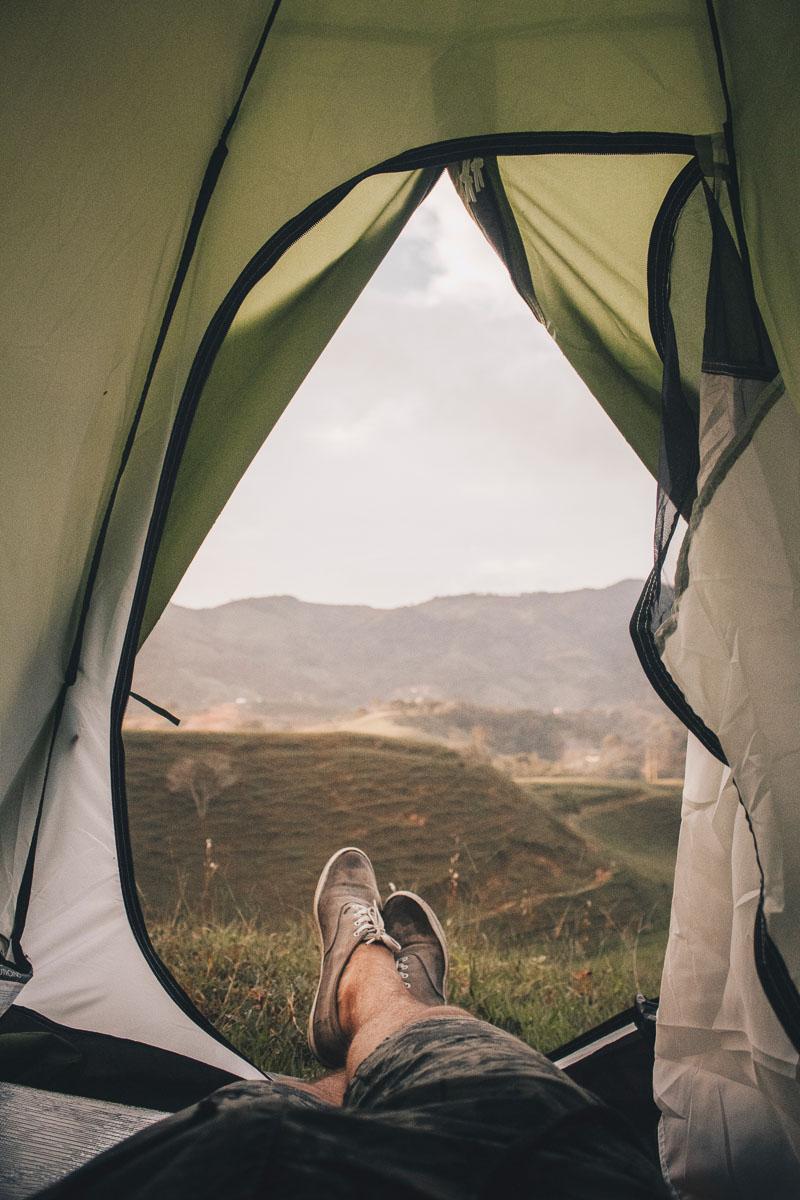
(374, 1003)
(451, 1103)
(330, 1089)
(438, 1103)
(379, 991)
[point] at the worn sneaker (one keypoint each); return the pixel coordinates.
(347, 913)
(422, 962)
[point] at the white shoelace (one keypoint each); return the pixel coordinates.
(402, 969)
(368, 926)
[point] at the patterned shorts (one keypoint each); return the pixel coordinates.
(450, 1107)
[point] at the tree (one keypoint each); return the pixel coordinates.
(203, 777)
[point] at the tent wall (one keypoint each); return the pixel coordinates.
(104, 146)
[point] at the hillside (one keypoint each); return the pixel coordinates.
(275, 806)
(298, 662)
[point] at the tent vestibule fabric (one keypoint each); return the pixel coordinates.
(195, 195)
(722, 1050)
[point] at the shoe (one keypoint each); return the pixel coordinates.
(422, 963)
(347, 913)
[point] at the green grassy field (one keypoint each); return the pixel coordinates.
(632, 825)
(257, 986)
(555, 894)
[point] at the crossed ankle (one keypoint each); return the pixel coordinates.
(368, 987)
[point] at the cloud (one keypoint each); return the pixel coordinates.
(411, 267)
(340, 428)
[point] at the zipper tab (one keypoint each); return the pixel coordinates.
(469, 180)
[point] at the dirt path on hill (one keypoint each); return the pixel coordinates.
(602, 876)
(577, 822)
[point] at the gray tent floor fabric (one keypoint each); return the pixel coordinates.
(45, 1135)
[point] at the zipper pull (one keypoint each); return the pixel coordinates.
(156, 708)
(469, 180)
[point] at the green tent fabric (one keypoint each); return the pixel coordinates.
(282, 326)
(760, 46)
(194, 197)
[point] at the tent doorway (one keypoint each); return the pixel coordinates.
(418, 460)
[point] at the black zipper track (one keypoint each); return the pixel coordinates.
(433, 155)
(659, 259)
(659, 252)
(497, 145)
(659, 678)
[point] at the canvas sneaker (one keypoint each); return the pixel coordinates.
(422, 962)
(347, 913)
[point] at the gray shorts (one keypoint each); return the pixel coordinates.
(445, 1108)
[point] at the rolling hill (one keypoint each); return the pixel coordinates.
(275, 806)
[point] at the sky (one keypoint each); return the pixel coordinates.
(442, 444)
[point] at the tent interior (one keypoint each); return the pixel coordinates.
(177, 265)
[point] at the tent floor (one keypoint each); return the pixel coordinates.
(45, 1135)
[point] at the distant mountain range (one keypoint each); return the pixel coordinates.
(542, 650)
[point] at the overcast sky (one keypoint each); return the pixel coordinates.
(441, 445)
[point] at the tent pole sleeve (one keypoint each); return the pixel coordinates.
(730, 148)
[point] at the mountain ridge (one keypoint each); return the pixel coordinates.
(543, 650)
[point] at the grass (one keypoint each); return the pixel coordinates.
(257, 986)
(633, 826)
(644, 835)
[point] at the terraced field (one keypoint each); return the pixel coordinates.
(241, 824)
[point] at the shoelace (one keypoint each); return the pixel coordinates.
(402, 969)
(368, 926)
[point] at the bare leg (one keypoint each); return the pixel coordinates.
(330, 1088)
(374, 1003)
